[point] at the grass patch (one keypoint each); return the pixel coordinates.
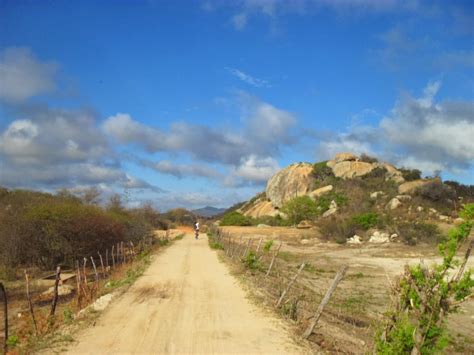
(287, 256)
(179, 236)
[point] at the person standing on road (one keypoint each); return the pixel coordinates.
(196, 230)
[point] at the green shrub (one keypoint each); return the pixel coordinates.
(368, 159)
(436, 191)
(323, 202)
(424, 298)
(377, 173)
(413, 233)
(267, 246)
(410, 174)
(300, 208)
(235, 219)
(464, 191)
(366, 220)
(321, 171)
(467, 211)
(251, 260)
(337, 229)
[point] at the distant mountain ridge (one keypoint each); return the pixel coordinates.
(209, 211)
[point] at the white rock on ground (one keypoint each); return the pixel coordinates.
(420, 209)
(379, 237)
(393, 237)
(354, 240)
(376, 194)
(459, 221)
(443, 218)
(393, 204)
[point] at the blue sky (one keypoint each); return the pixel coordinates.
(192, 103)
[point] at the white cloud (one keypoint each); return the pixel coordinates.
(256, 169)
(53, 148)
(23, 76)
(182, 170)
(419, 133)
(239, 21)
(266, 128)
(248, 78)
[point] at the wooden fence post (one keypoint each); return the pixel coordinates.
(55, 297)
(113, 257)
(5, 316)
(258, 246)
(289, 285)
(246, 248)
(122, 252)
(30, 304)
(107, 259)
(96, 274)
(273, 259)
(340, 274)
(102, 265)
(84, 270)
(78, 282)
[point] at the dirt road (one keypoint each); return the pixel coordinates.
(186, 302)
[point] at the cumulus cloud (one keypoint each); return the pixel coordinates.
(266, 128)
(23, 76)
(253, 169)
(53, 148)
(182, 170)
(246, 78)
(419, 133)
(53, 136)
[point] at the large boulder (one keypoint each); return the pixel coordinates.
(393, 173)
(295, 180)
(321, 191)
(352, 169)
(411, 186)
(345, 157)
(261, 208)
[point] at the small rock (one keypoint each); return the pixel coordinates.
(304, 241)
(459, 221)
(420, 209)
(393, 204)
(354, 240)
(304, 224)
(262, 225)
(443, 218)
(433, 211)
(376, 194)
(393, 237)
(379, 237)
(333, 204)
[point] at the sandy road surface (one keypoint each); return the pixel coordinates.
(186, 302)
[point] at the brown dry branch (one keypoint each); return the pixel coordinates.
(30, 304)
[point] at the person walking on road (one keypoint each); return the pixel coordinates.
(196, 230)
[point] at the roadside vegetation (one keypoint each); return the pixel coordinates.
(42, 230)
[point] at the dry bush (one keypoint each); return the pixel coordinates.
(43, 230)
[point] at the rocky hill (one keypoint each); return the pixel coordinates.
(358, 194)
